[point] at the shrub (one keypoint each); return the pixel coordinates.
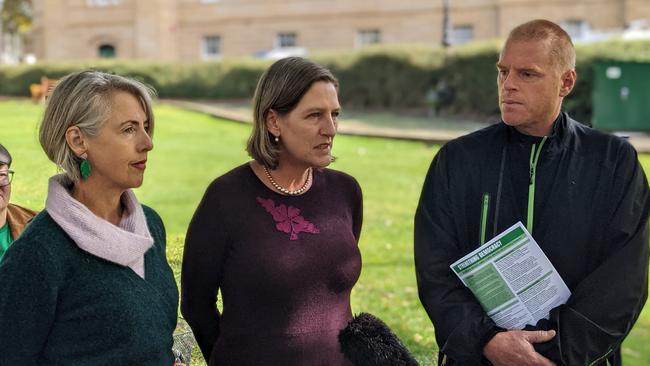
(405, 77)
(470, 75)
(386, 82)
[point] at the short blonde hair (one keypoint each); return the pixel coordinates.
(280, 88)
(84, 99)
(563, 52)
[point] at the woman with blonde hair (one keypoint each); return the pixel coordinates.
(88, 283)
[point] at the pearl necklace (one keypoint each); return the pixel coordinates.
(284, 190)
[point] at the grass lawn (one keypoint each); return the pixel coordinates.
(380, 119)
(191, 149)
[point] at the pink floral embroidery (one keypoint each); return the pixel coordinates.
(288, 219)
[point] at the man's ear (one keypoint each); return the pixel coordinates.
(273, 122)
(568, 82)
(76, 140)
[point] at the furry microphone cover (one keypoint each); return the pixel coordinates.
(368, 341)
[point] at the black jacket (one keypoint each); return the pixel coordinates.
(590, 218)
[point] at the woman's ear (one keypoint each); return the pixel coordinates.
(76, 141)
(273, 122)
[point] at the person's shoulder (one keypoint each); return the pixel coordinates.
(335, 174)
(232, 179)
(337, 177)
(482, 136)
(478, 141)
(150, 213)
(591, 135)
(343, 182)
(598, 144)
(23, 211)
(153, 218)
(45, 238)
(155, 225)
(41, 227)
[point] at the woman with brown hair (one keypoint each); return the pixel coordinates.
(278, 235)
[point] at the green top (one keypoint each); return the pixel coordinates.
(63, 306)
(5, 239)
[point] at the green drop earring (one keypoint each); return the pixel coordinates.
(84, 167)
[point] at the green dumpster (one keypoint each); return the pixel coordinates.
(621, 96)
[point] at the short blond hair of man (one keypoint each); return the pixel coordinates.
(562, 51)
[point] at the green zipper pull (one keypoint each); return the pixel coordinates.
(534, 158)
(484, 213)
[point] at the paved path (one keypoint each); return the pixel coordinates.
(641, 141)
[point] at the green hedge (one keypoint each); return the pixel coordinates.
(375, 78)
(458, 81)
(470, 74)
(385, 77)
(230, 79)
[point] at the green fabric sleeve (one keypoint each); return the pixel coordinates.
(29, 282)
(5, 239)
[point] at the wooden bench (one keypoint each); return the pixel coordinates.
(40, 92)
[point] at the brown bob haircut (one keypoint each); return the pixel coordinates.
(280, 89)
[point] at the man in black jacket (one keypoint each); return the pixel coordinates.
(581, 193)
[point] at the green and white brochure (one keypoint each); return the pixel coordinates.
(513, 279)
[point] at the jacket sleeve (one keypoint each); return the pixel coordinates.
(203, 257)
(29, 283)
(605, 305)
(461, 325)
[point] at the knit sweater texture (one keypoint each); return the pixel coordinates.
(124, 244)
(61, 305)
(285, 266)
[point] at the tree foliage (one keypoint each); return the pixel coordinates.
(16, 16)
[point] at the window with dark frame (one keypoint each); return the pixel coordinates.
(461, 33)
(367, 37)
(576, 28)
(106, 51)
(102, 2)
(286, 39)
(211, 47)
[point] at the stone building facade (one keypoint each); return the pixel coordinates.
(193, 30)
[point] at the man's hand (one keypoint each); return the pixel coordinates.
(515, 347)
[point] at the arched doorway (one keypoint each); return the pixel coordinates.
(106, 51)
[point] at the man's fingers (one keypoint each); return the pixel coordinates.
(539, 336)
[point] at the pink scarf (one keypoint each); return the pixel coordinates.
(124, 244)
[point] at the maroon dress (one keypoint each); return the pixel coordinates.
(285, 266)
